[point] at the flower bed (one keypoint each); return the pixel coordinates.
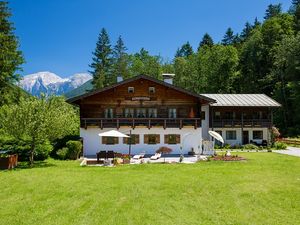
(227, 158)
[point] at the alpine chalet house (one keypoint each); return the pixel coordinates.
(156, 113)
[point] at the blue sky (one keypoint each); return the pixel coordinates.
(60, 35)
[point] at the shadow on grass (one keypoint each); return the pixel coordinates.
(38, 164)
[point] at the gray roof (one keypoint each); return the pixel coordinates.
(256, 100)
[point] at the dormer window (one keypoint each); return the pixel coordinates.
(151, 90)
(130, 89)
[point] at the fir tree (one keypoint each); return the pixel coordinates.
(185, 50)
(246, 31)
(256, 23)
(272, 11)
(206, 41)
(10, 57)
(102, 61)
(120, 58)
(229, 38)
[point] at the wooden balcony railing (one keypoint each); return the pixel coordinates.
(134, 122)
(239, 123)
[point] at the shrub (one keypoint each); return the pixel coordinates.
(62, 153)
(250, 147)
(74, 149)
(42, 151)
(280, 145)
(227, 146)
(217, 146)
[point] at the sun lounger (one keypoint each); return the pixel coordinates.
(139, 156)
(156, 156)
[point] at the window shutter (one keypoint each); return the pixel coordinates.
(178, 138)
(125, 140)
(137, 138)
(104, 140)
(166, 139)
(157, 139)
(146, 138)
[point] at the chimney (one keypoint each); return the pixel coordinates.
(119, 78)
(168, 77)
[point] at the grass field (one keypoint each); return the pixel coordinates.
(263, 190)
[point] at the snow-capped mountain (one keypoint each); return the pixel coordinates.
(52, 84)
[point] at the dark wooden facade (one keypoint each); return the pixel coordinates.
(240, 117)
(150, 103)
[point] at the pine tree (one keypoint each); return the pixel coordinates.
(102, 61)
(185, 50)
(256, 23)
(229, 37)
(246, 31)
(10, 57)
(297, 18)
(293, 8)
(272, 11)
(120, 59)
(206, 41)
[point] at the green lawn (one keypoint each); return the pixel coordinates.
(263, 190)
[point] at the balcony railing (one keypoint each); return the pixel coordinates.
(239, 123)
(145, 122)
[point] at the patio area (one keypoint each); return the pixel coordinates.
(171, 158)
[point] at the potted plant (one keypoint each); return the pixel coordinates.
(192, 152)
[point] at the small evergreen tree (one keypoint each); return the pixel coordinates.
(229, 37)
(10, 57)
(272, 11)
(102, 61)
(206, 41)
(185, 50)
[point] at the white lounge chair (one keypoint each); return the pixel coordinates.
(156, 156)
(139, 156)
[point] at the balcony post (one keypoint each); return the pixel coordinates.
(165, 124)
(180, 124)
(242, 127)
(133, 126)
(118, 124)
(149, 124)
(85, 124)
(195, 126)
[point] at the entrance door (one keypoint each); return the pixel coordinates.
(245, 137)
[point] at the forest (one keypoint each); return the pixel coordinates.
(262, 58)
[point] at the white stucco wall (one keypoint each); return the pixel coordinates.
(92, 143)
(266, 135)
(205, 123)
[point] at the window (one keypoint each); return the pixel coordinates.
(110, 140)
(130, 89)
(203, 115)
(151, 139)
(172, 139)
(109, 113)
(229, 115)
(230, 135)
(128, 112)
(140, 113)
(135, 139)
(152, 112)
(217, 115)
(172, 113)
(257, 134)
(256, 115)
(151, 90)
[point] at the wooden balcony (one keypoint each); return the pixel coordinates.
(144, 122)
(239, 123)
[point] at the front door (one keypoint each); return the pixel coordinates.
(245, 137)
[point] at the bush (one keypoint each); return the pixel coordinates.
(227, 146)
(250, 147)
(42, 151)
(280, 145)
(62, 153)
(74, 149)
(22, 148)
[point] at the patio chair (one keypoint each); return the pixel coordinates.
(139, 156)
(110, 155)
(156, 156)
(101, 155)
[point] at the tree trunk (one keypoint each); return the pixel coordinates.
(32, 148)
